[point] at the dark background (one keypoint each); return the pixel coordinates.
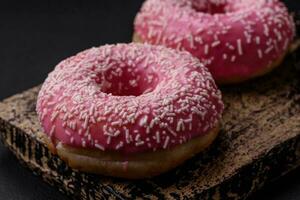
(35, 36)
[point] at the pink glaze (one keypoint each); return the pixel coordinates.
(234, 38)
(129, 98)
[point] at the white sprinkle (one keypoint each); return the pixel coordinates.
(116, 123)
(83, 143)
(286, 43)
(180, 125)
(199, 40)
(91, 111)
(158, 38)
(52, 130)
(206, 49)
(259, 52)
(178, 46)
(72, 140)
(133, 83)
(233, 58)
(231, 47)
(43, 115)
(278, 34)
(191, 41)
(239, 46)
(257, 39)
(266, 30)
(137, 137)
(72, 125)
(157, 136)
(98, 146)
(166, 142)
(224, 56)
(68, 132)
(216, 43)
(127, 137)
(54, 115)
(51, 103)
(135, 103)
(148, 130)
(143, 121)
(139, 143)
(153, 122)
(108, 139)
(206, 127)
(172, 132)
(89, 137)
(117, 133)
(79, 131)
(120, 145)
(85, 124)
(268, 50)
(87, 132)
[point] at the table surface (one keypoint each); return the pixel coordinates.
(35, 36)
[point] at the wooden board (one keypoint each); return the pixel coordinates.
(259, 141)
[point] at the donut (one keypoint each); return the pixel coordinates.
(236, 39)
(129, 110)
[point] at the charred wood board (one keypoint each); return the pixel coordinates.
(259, 141)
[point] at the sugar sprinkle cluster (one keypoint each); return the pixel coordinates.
(129, 98)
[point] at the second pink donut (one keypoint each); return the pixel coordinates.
(237, 40)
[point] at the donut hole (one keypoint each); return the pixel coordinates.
(127, 81)
(210, 6)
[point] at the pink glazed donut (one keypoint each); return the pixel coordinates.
(129, 110)
(236, 39)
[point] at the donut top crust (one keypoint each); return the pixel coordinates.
(129, 98)
(233, 38)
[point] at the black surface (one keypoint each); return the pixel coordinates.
(35, 36)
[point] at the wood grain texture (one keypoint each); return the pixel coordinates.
(259, 141)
